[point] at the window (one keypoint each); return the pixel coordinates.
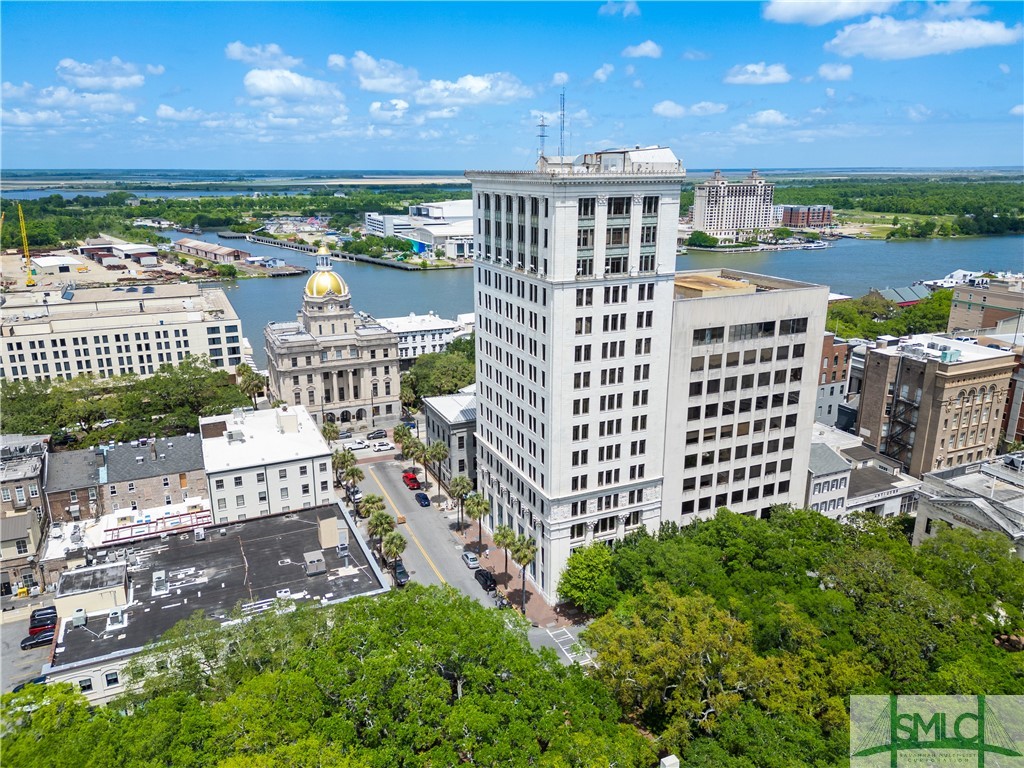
(284, 493)
(22, 546)
(85, 684)
(714, 335)
(111, 678)
(282, 474)
(238, 481)
(240, 500)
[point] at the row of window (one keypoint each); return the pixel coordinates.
(746, 331)
(704, 503)
(749, 357)
(19, 492)
(707, 458)
(262, 496)
(764, 379)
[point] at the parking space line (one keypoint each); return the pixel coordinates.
(408, 527)
(565, 641)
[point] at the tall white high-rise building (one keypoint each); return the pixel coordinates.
(730, 210)
(589, 352)
(574, 284)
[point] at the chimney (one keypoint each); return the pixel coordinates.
(152, 449)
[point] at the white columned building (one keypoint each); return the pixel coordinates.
(575, 265)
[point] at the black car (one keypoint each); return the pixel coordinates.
(401, 575)
(35, 641)
(486, 579)
(422, 499)
(377, 434)
(50, 610)
(34, 681)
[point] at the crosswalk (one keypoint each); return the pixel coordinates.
(569, 645)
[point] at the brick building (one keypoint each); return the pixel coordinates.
(802, 216)
(833, 378)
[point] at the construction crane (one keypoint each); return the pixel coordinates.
(29, 282)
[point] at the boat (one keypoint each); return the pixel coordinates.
(815, 246)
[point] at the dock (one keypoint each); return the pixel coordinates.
(304, 247)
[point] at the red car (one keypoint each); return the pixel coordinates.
(411, 482)
(44, 625)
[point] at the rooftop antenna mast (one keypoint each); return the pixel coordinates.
(561, 125)
(542, 134)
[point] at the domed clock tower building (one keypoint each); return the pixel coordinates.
(342, 367)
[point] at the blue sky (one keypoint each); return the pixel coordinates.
(861, 83)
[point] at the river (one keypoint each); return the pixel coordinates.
(850, 267)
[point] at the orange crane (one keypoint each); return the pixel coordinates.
(29, 282)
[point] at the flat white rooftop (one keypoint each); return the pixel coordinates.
(933, 347)
(413, 323)
(253, 438)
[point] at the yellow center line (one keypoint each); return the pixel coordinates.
(408, 527)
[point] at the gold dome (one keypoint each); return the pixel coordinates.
(321, 283)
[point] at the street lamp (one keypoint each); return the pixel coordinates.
(373, 391)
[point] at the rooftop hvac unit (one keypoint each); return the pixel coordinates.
(116, 619)
(200, 534)
(159, 581)
(78, 618)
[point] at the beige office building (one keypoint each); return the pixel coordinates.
(113, 331)
(982, 302)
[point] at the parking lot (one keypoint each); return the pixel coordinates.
(16, 665)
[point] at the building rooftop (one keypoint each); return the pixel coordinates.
(413, 323)
(202, 245)
(709, 283)
(63, 308)
(906, 294)
(247, 565)
(153, 458)
(825, 461)
(861, 454)
(605, 163)
(20, 468)
(246, 439)
(13, 527)
(941, 349)
(71, 470)
(867, 481)
(454, 409)
(91, 578)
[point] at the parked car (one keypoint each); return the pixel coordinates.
(355, 494)
(411, 481)
(50, 610)
(34, 681)
(42, 624)
(37, 641)
(381, 446)
(377, 434)
(422, 499)
(345, 434)
(401, 575)
(356, 445)
(63, 438)
(471, 560)
(486, 579)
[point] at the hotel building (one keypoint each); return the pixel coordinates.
(730, 210)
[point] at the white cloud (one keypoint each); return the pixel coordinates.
(140, 120)
(66, 98)
(758, 74)
(1004, 68)
(382, 75)
(336, 61)
(187, 115)
(770, 117)
(16, 117)
(612, 8)
(669, 108)
(100, 75)
(492, 88)
(1017, 110)
(287, 85)
(447, 113)
(700, 109)
(155, 69)
(603, 72)
(12, 91)
(269, 56)
(818, 13)
(560, 78)
(830, 92)
(835, 71)
(695, 55)
(648, 49)
(392, 110)
(954, 9)
(918, 113)
(883, 37)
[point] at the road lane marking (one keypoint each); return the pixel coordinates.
(408, 527)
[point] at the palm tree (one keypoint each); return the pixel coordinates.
(416, 452)
(353, 476)
(524, 550)
(380, 524)
(436, 452)
(330, 431)
(505, 538)
(460, 487)
(341, 461)
(477, 507)
(249, 381)
(392, 547)
(401, 435)
(371, 503)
